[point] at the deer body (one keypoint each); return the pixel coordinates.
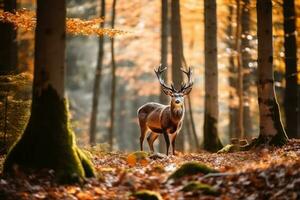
(158, 119)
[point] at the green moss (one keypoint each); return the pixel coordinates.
(191, 168)
(48, 142)
(198, 186)
(147, 195)
(229, 148)
(139, 155)
(212, 142)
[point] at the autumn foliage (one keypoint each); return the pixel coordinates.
(26, 20)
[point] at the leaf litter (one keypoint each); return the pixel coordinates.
(272, 173)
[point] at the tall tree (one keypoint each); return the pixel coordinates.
(232, 76)
(211, 139)
(177, 56)
(246, 59)
(48, 142)
(8, 41)
(271, 129)
(292, 96)
(163, 57)
(240, 123)
(113, 84)
(97, 81)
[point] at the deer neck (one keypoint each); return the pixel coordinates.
(177, 112)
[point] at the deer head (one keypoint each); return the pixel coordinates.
(177, 96)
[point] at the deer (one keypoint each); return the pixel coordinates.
(156, 118)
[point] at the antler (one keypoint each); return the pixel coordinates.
(158, 73)
(187, 87)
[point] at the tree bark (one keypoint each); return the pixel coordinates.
(292, 98)
(177, 56)
(97, 81)
(8, 41)
(247, 73)
(164, 57)
(271, 129)
(240, 124)
(211, 139)
(232, 78)
(113, 85)
(48, 142)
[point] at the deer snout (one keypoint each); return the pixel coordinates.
(177, 101)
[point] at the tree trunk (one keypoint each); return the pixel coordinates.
(211, 139)
(48, 142)
(177, 55)
(247, 74)
(97, 81)
(8, 41)
(164, 57)
(271, 129)
(240, 124)
(232, 78)
(113, 85)
(292, 98)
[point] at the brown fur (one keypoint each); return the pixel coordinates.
(160, 119)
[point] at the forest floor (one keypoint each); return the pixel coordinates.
(272, 173)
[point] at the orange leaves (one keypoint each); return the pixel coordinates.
(26, 20)
(138, 157)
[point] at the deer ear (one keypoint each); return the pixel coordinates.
(167, 92)
(187, 91)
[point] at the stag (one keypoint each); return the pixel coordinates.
(155, 118)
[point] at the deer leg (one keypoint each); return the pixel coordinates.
(166, 136)
(151, 138)
(143, 134)
(173, 143)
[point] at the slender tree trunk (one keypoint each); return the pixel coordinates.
(240, 124)
(97, 81)
(47, 141)
(211, 139)
(8, 41)
(113, 85)
(271, 129)
(192, 123)
(246, 59)
(177, 55)
(164, 57)
(232, 78)
(292, 98)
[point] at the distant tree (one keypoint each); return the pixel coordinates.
(113, 84)
(97, 81)
(8, 41)
(163, 57)
(292, 95)
(48, 142)
(232, 76)
(240, 121)
(177, 55)
(246, 59)
(271, 130)
(211, 139)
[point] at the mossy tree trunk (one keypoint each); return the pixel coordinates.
(271, 129)
(292, 98)
(211, 139)
(164, 57)
(113, 84)
(177, 56)
(8, 41)
(97, 81)
(48, 141)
